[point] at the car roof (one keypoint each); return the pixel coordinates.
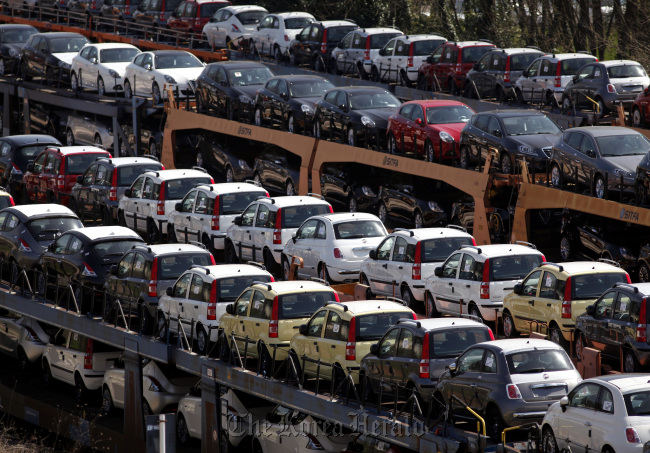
(625, 382)
(359, 307)
(361, 89)
(421, 37)
(567, 56)
(502, 250)
(175, 174)
(471, 43)
(30, 139)
(580, 267)
(301, 77)
(203, 2)
(378, 30)
(346, 216)
(335, 23)
(232, 187)
(61, 34)
(441, 323)
(296, 285)
(42, 210)
(168, 249)
(513, 50)
(111, 45)
(644, 288)
(292, 200)
(514, 113)
(432, 233)
(238, 64)
(435, 103)
(117, 161)
(106, 232)
(66, 150)
(232, 270)
(610, 63)
(293, 14)
(168, 52)
(522, 344)
(239, 8)
(604, 131)
(15, 27)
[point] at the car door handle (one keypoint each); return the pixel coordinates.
(241, 322)
(548, 305)
(315, 343)
(196, 307)
(257, 324)
(400, 267)
(75, 356)
(385, 266)
(308, 249)
(187, 217)
(468, 286)
(333, 346)
(451, 284)
(473, 385)
(531, 302)
(587, 423)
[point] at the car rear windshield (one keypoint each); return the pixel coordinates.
(593, 285)
(177, 60)
(229, 289)
(49, 228)
(246, 77)
(573, 65)
(626, 70)
(623, 145)
(530, 125)
(293, 216)
(251, 17)
(18, 36)
(538, 361)
(176, 189)
(438, 250)
(113, 250)
(362, 101)
(235, 203)
(474, 54)
(380, 40)
(637, 403)
(128, 173)
(335, 34)
(71, 44)
(426, 47)
(449, 114)
(303, 305)
(373, 327)
(117, 55)
(359, 229)
(512, 267)
(309, 88)
(171, 267)
(297, 23)
(5, 202)
(32, 151)
(522, 61)
(76, 164)
(208, 9)
(450, 343)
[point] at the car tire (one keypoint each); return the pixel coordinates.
(338, 376)
(556, 336)
(231, 254)
(431, 311)
(566, 248)
(353, 205)
(182, 433)
(599, 187)
(644, 273)
(494, 423)
(317, 128)
(474, 311)
(171, 233)
(121, 220)
(74, 82)
(367, 393)
(333, 68)
(509, 329)
(290, 189)
(107, 401)
(429, 153)
(404, 80)
(630, 363)
(128, 91)
(407, 297)
(286, 268)
(69, 137)
(277, 55)
(107, 217)
(49, 77)
(81, 392)
(505, 163)
(464, 158)
(556, 176)
(601, 108)
(392, 144)
(97, 141)
(156, 95)
(418, 220)
(323, 274)
(500, 95)
(23, 361)
(101, 87)
(579, 345)
(566, 103)
(361, 73)
(269, 261)
(153, 233)
(162, 328)
(230, 175)
(351, 136)
(292, 59)
(202, 340)
(292, 127)
(549, 444)
(382, 213)
(295, 370)
(636, 118)
(48, 380)
(374, 74)
(265, 360)
(364, 281)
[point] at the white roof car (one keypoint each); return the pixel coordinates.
(233, 24)
(400, 59)
(106, 232)
(332, 246)
(33, 210)
(101, 67)
(150, 72)
(207, 211)
(276, 31)
(408, 258)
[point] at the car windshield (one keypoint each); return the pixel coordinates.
(623, 145)
(522, 61)
(309, 88)
(34, 150)
(293, 216)
(380, 40)
(208, 9)
(302, 305)
(49, 228)
(449, 114)
(117, 55)
(62, 45)
(362, 101)
(177, 60)
(538, 361)
(426, 47)
(19, 36)
(335, 34)
(229, 289)
(451, 343)
(252, 76)
(359, 229)
(251, 17)
(625, 71)
(127, 174)
(593, 285)
(297, 23)
(637, 403)
(113, 250)
(573, 65)
(529, 125)
(76, 164)
(235, 203)
(176, 189)
(373, 327)
(513, 267)
(171, 267)
(438, 250)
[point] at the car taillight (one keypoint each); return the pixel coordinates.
(491, 334)
(631, 436)
(409, 60)
(30, 335)
(506, 75)
(15, 170)
(336, 296)
(642, 327)
(543, 258)
(275, 314)
(611, 88)
(161, 200)
(112, 192)
(60, 181)
(286, 38)
(513, 392)
(473, 241)
(351, 346)
(485, 283)
(313, 443)
(277, 233)
(214, 263)
(88, 357)
(88, 271)
(628, 278)
(323, 46)
(566, 303)
(11, 201)
(162, 15)
(235, 28)
(93, 4)
(558, 75)
(331, 209)
(214, 224)
(212, 305)
(127, 10)
(416, 272)
(338, 254)
(153, 282)
(24, 246)
(366, 53)
(424, 360)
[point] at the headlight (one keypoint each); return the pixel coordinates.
(434, 207)
(245, 99)
(113, 73)
(307, 109)
(445, 137)
(526, 150)
(170, 79)
(14, 53)
(243, 164)
(367, 121)
(64, 65)
(368, 192)
(626, 254)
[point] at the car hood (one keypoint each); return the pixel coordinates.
(310, 102)
(65, 56)
(536, 141)
(181, 75)
(250, 90)
(452, 129)
(16, 47)
(627, 163)
(379, 116)
(117, 67)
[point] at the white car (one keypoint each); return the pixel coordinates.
(206, 212)
(100, 67)
(163, 386)
(276, 31)
(145, 206)
(401, 58)
(602, 414)
(408, 257)
(333, 246)
(355, 52)
(150, 72)
(24, 338)
(233, 24)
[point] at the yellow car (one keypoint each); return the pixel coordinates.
(555, 295)
(265, 317)
(340, 335)
(6, 200)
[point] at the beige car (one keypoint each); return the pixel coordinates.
(340, 335)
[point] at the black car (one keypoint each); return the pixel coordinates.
(229, 87)
(314, 44)
(514, 133)
(226, 158)
(16, 152)
(12, 38)
(598, 158)
(81, 259)
(277, 170)
(407, 200)
(354, 113)
(462, 213)
(97, 192)
(50, 55)
(350, 188)
(288, 101)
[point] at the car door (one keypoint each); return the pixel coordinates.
(261, 232)
(398, 61)
(176, 21)
(300, 46)
(333, 184)
(183, 222)
(493, 136)
(262, 37)
(383, 366)
(625, 314)
(479, 75)
(549, 299)
(40, 56)
(399, 127)
(303, 245)
(444, 286)
(397, 266)
(118, 285)
(470, 274)
(241, 313)
(143, 76)
(384, 62)
(308, 345)
(601, 422)
(578, 87)
(327, 113)
(146, 204)
(267, 98)
(70, 261)
(417, 130)
(244, 238)
(179, 296)
(343, 57)
(381, 282)
(31, 178)
(532, 82)
(200, 221)
(130, 202)
(84, 193)
(280, 102)
(57, 356)
(355, 54)
(595, 329)
(221, 29)
(574, 422)
(11, 333)
(48, 177)
(195, 305)
(465, 381)
(443, 68)
(52, 260)
(335, 336)
(92, 69)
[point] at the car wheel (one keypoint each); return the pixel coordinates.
(107, 401)
(14, 273)
(101, 88)
(429, 154)
(199, 159)
(182, 433)
(500, 95)
(286, 268)
(49, 77)
(555, 335)
(374, 75)
(382, 213)
(290, 189)
(407, 297)
(630, 364)
(422, 82)
(580, 345)
(418, 221)
(323, 274)
(48, 380)
(128, 92)
(80, 389)
(259, 119)
(636, 117)
(231, 254)
(277, 54)
(230, 176)
(98, 141)
(509, 329)
(464, 158)
(23, 361)
(352, 136)
(392, 144)
(641, 194)
(644, 273)
(121, 220)
(153, 234)
(41, 283)
(292, 59)
(265, 360)
(69, 138)
(549, 444)
(155, 94)
(551, 100)
(601, 108)
(74, 82)
(404, 80)
(556, 176)
(430, 308)
(291, 125)
(566, 103)
(361, 73)
(171, 232)
(367, 393)
(333, 68)
(161, 327)
(2, 67)
(364, 281)
(153, 149)
(146, 409)
(338, 379)
(475, 312)
(107, 216)
(599, 187)
(505, 163)
(494, 423)
(269, 261)
(318, 65)
(352, 204)
(566, 248)
(202, 340)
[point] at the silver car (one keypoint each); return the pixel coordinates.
(89, 129)
(24, 338)
(354, 54)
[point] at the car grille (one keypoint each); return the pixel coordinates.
(547, 151)
(192, 85)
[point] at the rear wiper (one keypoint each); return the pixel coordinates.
(532, 370)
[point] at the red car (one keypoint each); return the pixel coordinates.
(191, 16)
(446, 68)
(641, 109)
(423, 127)
(50, 177)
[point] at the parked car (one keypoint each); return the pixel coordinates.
(89, 129)
(289, 101)
(276, 31)
(6, 200)
(600, 414)
(151, 138)
(421, 350)
(12, 39)
(350, 187)
(333, 246)
(229, 87)
(408, 257)
(207, 211)
(428, 129)
(355, 52)
(49, 55)
(475, 280)
(640, 110)
(642, 180)
(496, 73)
(200, 295)
(162, 189)
(643, 273)
(45, 119)
(546, 78)
(101, 67)
(355, 115)
(154, 13)
(608, 83)
(554, 295)
(233, 25)
(122, 10)
(602, 158)
(277, 170)
(152, 71)
(228, 158)
(514, 133)
(192, 15)
(24, 338)
(314, 44)
(519, 380)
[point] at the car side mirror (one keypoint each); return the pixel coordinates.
(80, 179)
(222, 83)
(303, 329)
(374, 349)
(178, 207)
(50, 247)
(293, 238)
(475, 66)
(497, 133)
(418, 121)
(430, 59)
(591, 153)
(113, 270)
(343, 107)
(213, 19)
(372, 254)
(564, 402)
(237, 221)
(339, 44)
(169, 291)
(147, 66)
(127, 193)
(30, 167)
(591, 310)
(575, 78)
(452, 368)
(284, 96)
(229, 309)
(518, 289)
(93, 60)
(438, 271)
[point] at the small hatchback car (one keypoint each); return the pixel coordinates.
(16, 151)
(24, 338)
